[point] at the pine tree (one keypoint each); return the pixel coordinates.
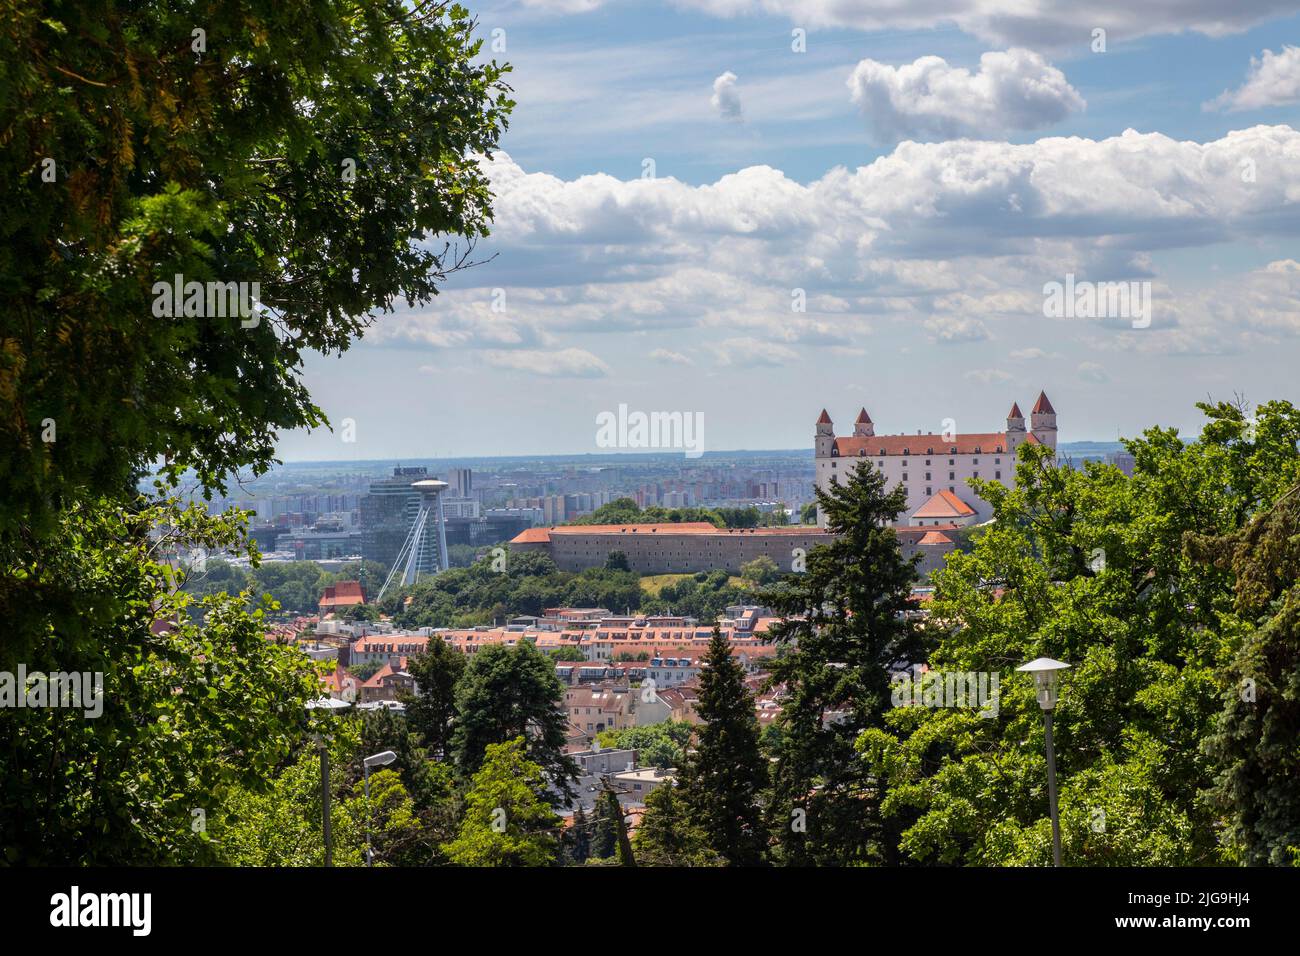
(611, 838)
(725, 776)
(845, 630)
(577, 839)
(668, 834)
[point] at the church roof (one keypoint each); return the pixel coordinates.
(1043, 406)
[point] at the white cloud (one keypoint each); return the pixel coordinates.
(1274, 80)
(1093, 372)
(950, 239)
(726, 98)
(670, 358)
(1028, 355)
(987, 376)
(564, 363)
(748, 352)
(928, 99)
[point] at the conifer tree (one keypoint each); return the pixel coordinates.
(845, 630)
(726, 774)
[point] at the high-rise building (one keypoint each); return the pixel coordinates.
(388, 513)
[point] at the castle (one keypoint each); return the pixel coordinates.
(934, 468)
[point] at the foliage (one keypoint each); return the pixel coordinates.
(657, 745)
(507, 693)
(431, 712)
(507, 817)
(1094, 568)
(724, 777)
(845, 628)
(669, 834)
(188, 712)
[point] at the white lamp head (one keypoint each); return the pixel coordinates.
(1046, 672)
(382, 759)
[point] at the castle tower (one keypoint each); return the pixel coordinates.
(825, 437)
(863, 428)
(1042, 421)
(1015, 428)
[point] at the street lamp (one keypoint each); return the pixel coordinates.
(1046, 674)
(328, 705)
(382, 759)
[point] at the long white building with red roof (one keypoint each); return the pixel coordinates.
(934, 469)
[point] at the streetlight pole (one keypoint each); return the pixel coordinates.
(1046, 673)
(1051, 788)
(326, 705)
(381, 759)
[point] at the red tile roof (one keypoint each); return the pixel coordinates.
(1015, 411)
(984, 443)
(1043, 406)
(943, 505)
(824, 419)
(935, 537)
(343, 594)
(864, 418)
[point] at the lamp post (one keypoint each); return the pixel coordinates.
(381, 759)
(328, 705)
(1046, 673)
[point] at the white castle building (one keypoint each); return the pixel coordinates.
(934, 469)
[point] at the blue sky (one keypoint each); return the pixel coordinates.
(920, 205)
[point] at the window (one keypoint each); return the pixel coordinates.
(951, 461)
(998, 475)
(977, 474)
(975, 461)
(927, 476)
(905, 476)
(927, 461)
(952, 476)
(927, 490)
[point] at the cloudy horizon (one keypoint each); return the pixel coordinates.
(753, 211)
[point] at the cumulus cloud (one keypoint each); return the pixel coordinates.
(726, 98)
(670, 358)
(563, 363)
(948, 239)
(1273, 80)
(747, 352)
(928, 99)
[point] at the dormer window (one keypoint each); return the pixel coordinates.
(905, 451)
(929, 451)
(977, 449)
(883, 452)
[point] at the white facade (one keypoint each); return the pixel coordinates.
(927, 463)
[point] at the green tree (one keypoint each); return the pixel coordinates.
(1257, 778)
(725, 776)
(610, 839)
(233, 163)
(186, 712)
(616, 561)
(762, 570)
(431, 711)
(507, 817)
(845, 625)
(669, 834)
(1094, 568)
(507, 693)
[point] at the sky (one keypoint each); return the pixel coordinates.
(750, 210)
